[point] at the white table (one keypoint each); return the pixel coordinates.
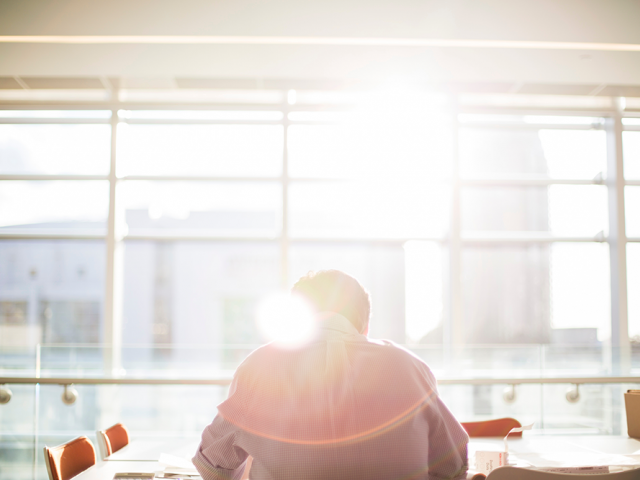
(563, 450)
(106, 470)
(531, 450)
(149, 449)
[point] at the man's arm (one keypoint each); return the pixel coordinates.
(447, 443)
(218, 457)
(447, 439)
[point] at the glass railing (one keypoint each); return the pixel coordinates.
(209, 361)
(476, 382)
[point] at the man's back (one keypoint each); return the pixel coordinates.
(343, 407)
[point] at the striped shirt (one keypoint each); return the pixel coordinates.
(342, 407)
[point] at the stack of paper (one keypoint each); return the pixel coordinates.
(174, 465)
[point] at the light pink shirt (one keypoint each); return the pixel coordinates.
(342, 407)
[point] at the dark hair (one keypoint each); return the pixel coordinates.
(335, 291)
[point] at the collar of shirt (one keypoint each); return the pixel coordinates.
(334, 322)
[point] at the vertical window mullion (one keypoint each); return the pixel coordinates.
(617, 244)
(620, 348)
(111, 327)
(284, 236)
(453, 324)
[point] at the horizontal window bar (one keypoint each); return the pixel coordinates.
(523, 181)
(50, 234)
(204, 237)
(526, 237)
(210, 178)
(196, 178)
(180, 121)
(55, 121)
(533, 110)
(47, 177)
(370, 241)
(227, 381)
(80, 105)
(529, 126)
(111, 105)
(114, 381)
(167, 178)
(467, 182)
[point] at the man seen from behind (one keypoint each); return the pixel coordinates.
(342, 406)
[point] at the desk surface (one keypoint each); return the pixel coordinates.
(106, 470)
(149, 449)
(564, 450)
(531, 450)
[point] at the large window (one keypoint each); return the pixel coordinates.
(165, 227)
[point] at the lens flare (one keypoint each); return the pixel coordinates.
(286, 320)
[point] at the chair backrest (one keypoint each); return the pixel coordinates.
(514, 473)
(492, 428)
(112, 439)
(69, 459)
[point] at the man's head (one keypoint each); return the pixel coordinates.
(335, 291)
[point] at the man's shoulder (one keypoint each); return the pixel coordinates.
(266, 357)
(258, 356)
(272, 358)
(392, 348)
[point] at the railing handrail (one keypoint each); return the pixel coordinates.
(227, 380)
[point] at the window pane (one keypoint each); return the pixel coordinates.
(201, 208)
(372, 146)
(59, 205)
(559, 209)
(195, 293)
(631, 154)
(250, 150)
(51, 291)
(546, 152)
(385, 209)
(632, 210)
(580, 296)
(534, 293)
(633, 286)
(55, 149)
(380, 270)
(424, 290)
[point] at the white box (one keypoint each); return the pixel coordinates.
(487, 461)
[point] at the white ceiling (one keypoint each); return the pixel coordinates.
(604, 21)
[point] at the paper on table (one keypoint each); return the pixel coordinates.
(177, 465)
(598, 470)
(514, 430)
(169, 460)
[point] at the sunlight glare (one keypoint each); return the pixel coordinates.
(286, 320)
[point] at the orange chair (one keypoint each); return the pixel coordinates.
(492, 428)
(112, 439)
(69, 459)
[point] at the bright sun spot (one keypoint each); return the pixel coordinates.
(286, 320)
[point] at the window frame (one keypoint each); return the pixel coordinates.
(455, 240)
